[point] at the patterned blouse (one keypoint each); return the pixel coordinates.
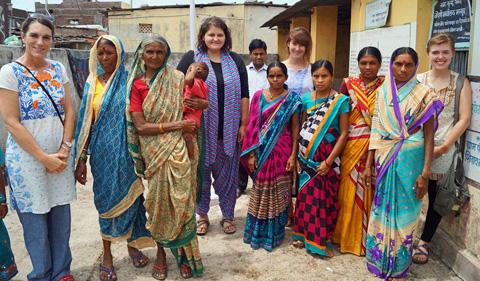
(33, 189)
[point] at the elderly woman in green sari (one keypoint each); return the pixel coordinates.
(101, 133)
(155, 131)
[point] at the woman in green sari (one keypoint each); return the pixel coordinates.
(155, 128)
(8, 268)
(402, 142)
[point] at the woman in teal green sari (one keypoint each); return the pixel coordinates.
(8, 268)
(402, 141)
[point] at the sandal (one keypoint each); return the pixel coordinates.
(228, 226)
(68, 277)
(298, 244)
(159, 271)
(111, 275)
(185, 271)
(139, 260)
(202, 226)
(420, 251)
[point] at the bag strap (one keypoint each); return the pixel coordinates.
(459, 144)
(45, 90)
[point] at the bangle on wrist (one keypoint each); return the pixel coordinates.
(83, 157)
(424, 177)
(3, 204)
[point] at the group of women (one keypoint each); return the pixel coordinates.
(358, 159)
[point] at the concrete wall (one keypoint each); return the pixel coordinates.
(174, 24)
(418, 16)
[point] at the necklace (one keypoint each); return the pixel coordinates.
(104, 78)
(326, 98)
(271, 97)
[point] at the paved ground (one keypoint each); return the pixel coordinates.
(224, 257)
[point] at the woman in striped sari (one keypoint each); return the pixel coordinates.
(155, 136)
(270, 154)
(322, 138)
(355, 195)
(118, 192)
(402, 143)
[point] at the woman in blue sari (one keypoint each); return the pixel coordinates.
(8, 268)
(101, 133)
(402, 142)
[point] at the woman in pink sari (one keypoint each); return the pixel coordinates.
(269, 154)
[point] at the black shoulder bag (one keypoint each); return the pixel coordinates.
(452, 190)
(45, 90)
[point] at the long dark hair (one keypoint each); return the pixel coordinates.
(282, 66)
(322, 63)
(405, 50)
(42, 19)
(219, 23)
(370, 51)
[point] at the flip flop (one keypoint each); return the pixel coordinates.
(139, 260)
(202, 226)
(159, 271)
(110, 273)
(68, 277)
(185, 271)
(420, 251)
(230, 223)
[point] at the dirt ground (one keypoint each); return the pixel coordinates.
(225, 257)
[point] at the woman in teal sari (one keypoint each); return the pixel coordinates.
(402, 141)
(102, 133)
(8, 268)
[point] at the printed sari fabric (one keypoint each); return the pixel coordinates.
(398, 141)
(317, 206)
(8, 268)
(269, 136)
(354, 196)
(118, 191)
(163, 160)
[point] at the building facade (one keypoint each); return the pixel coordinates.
(173, 22)
(341, 28)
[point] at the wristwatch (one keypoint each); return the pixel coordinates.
(68, 144)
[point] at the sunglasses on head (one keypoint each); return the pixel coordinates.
(41, 16)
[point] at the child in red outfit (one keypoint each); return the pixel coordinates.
(195, 86)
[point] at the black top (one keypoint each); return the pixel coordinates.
(189, 57)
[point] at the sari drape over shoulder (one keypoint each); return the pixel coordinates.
(354, 196)
(269, 136)
(163, 160)
(317, 205)
(398, 140)
(118, 192)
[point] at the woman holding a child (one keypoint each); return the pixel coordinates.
(155, 135)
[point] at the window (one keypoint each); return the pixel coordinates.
(145, 28)
(460, 62)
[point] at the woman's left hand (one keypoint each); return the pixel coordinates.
(421, 187)
(323, 168)
(291, 164)
(196, 103)
(439, 150)
(241, 134)
(63, 153)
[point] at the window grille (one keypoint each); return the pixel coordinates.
(145, 28)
